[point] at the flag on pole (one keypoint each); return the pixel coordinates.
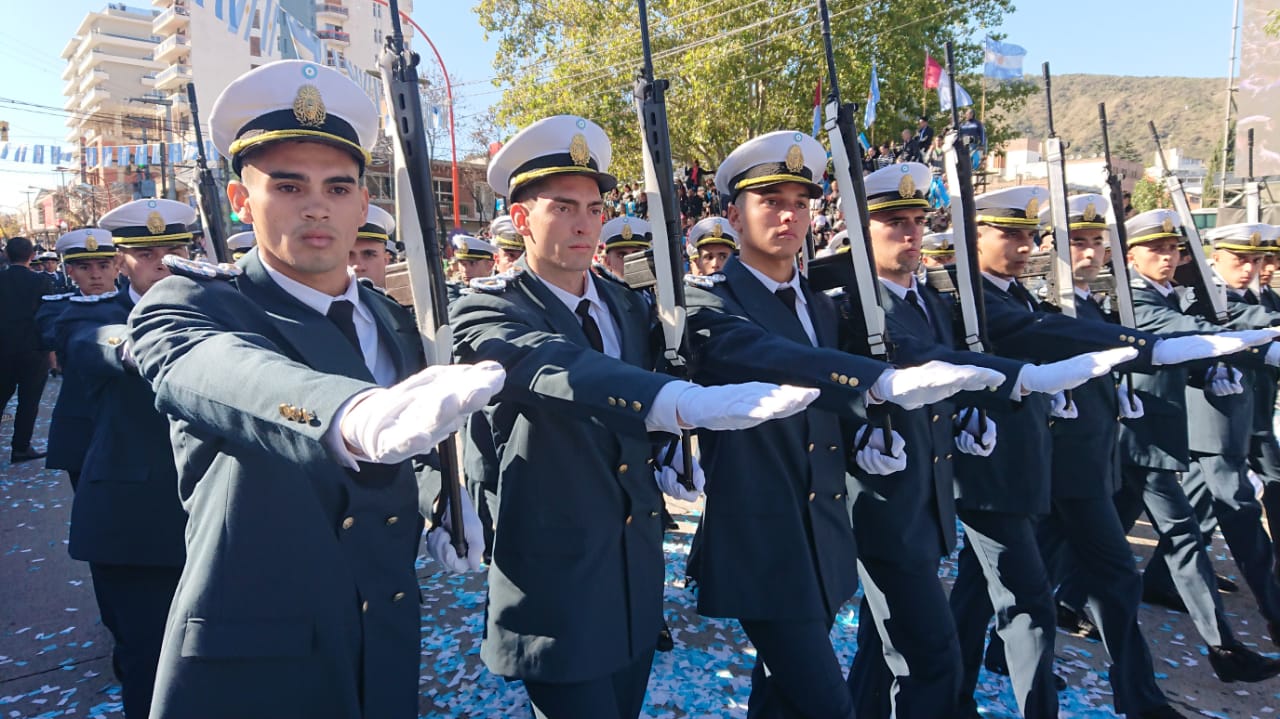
(305, 44)
(1002, 61)
(817, 107)
(932, 73)
(944, 92)
(873, 97)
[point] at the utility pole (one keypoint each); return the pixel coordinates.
(168, 181)
(31, 225)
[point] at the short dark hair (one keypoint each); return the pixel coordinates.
(19, 250)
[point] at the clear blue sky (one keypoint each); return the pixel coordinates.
(1141, 37)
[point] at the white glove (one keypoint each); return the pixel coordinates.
(914, 387)
(667, 475)
(1128, 409)
(1223, 381)
(1062, 408)
(740, 406)
(440, 548)
(1072, 372)
(872, 458)
(1176, 350)
(389, 425)
(968, 441)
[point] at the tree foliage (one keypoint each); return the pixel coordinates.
(1149, 194)
(737, 68)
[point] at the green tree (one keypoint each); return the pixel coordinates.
(1149, 194)
(737, 69)
(1272, 27)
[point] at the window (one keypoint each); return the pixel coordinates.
(444, 192)
(255, 46)
(377, 10)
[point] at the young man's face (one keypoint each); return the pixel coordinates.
(306, 203)
(1236, 268)
(50, 265)
(712, 258)
(560, 223)
(1004, 251)
(1267, 267)
(895, 240)
(1155, 260)
(369, 258)
(771, 221)
(615, 259)
(471, 269)
(93, 275)
(1088, 254)
(144, 266)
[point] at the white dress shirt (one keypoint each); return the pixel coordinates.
(802, 304)
(376, 357)
(901, 292)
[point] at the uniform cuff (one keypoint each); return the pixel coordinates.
(663, 416)
(336, 443)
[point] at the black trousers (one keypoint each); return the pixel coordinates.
(25, 373)
(1001, 572)
(1264, 459)
(619, 695)
(797, 674)
(134, 603)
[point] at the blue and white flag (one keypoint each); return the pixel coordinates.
(305, 44)
(1001, 60)
(944, 92)
(873, 97)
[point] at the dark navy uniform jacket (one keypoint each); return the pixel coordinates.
(775, 541)
(575, 587)
(300, 595)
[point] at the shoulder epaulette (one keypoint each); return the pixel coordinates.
(95, 298)
(705, 282)
(493, 284)
(201, 270)
(57, 298)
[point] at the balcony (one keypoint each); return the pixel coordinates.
(93, 98)
(91, 78)
(337, 36)
(99, 38)
(174, 77)
(170, 20)
(173, 47)
(331, 9)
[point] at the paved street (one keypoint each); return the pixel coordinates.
(55, 653)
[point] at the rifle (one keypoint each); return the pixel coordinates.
(415, 217)
(957, 159)
(1196, 274)
(1117, 233)
(215, 234)
(863, 285)
(1252, 191)
(664, 217)
(1062, 285)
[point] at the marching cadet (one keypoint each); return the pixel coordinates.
(50, 265)
(126, 520)
(1154, 449)
(908, 660)
(89, 257)
(295, 408)
(472, 258)
(780, 555)
(239, 244)
(620, 237)
(1082, 526)
(374, 248)
(999, 496)
(575, 587)
(510, 243)
(937, 249)
(712, 241)
(1220, 429)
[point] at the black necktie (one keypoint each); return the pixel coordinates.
(913, 299)
(589, 326)
(1017, 290)
(787, 295)
(1250, 297)
(340, 313)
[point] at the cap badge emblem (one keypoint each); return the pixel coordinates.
(155, 223)
(308, 107)
(907, 186)
(1167, 225)
(1090, 212)
(627, 232)
(716, 229)
(1255, 239)
(795, 159)
(579, 152)
(1033, 207)
(90, 242)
